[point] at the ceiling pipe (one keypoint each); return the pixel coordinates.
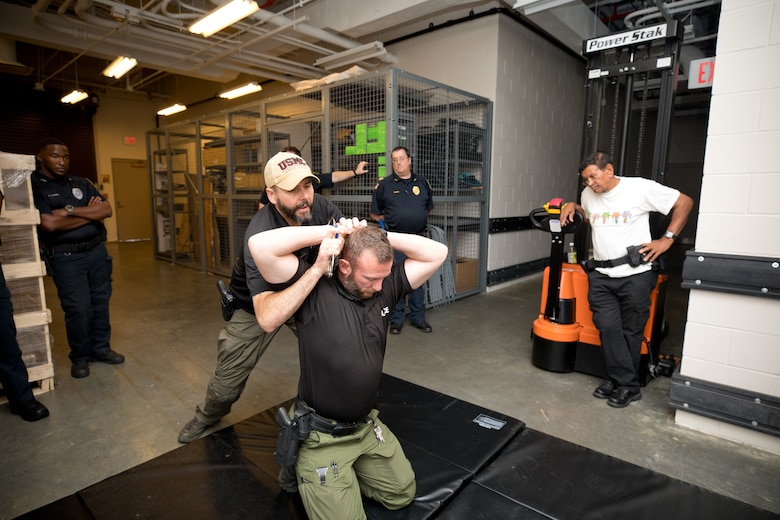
(298, 69)
(152, 33)
(158, 40)
(672, 7)
(237, 48)
(40, 7)
(64, 7)
(314, 32)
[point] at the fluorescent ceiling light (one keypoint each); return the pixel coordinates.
(74, 97)
(354, 55)
(243, 90)
(120, 66)
(227, 14)
(173, 109)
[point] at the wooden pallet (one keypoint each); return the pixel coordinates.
(24, 270)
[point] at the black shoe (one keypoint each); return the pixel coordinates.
(30, 411)
(423, 326)
(192, 430)
(605, 389)
(108, 356)
(395, 328)
(80, 368)
(623, 397)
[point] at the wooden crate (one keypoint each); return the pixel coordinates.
(24, 270)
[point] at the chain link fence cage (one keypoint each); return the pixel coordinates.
(207, 175)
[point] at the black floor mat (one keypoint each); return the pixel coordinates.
(470, 463)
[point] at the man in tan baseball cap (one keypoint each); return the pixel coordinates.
(292, 202)
(289, 187)
(287, 170)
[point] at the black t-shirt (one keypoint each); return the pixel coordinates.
(246, 280)
(405, 203)
(51, 194)
(342, 343)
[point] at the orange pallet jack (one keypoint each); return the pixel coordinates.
(564, 336)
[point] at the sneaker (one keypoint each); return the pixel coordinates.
(192, 430)
(395, 328)
(108, 356)
(288, 480)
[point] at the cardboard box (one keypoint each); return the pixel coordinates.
(248, 181)
(214, 156)
(466, 274)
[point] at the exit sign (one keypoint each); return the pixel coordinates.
(700, 73)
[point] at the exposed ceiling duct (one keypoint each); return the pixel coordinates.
(285, 40)
(8, 63)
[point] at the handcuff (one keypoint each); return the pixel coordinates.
(333, 258)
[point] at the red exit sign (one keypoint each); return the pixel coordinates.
(701, 72)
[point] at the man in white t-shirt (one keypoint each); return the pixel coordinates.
(618, 211)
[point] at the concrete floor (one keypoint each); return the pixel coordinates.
(166, 319)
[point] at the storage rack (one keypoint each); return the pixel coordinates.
(335, 126)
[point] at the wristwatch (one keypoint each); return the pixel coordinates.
(69, 209)
(669, 234)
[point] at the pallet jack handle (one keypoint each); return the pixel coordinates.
(547, 219)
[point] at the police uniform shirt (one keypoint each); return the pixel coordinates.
(266, 219)
(51, 194)
(405, 203)
(342, 341)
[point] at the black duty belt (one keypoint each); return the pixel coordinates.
(592, 264)
(323, 425)
(634, 258)
(77, 248)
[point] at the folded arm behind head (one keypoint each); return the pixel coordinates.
(424, 256)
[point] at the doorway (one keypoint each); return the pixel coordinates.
(131, 193)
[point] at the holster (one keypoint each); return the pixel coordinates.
(226, 300)
(635, 259)
(46, 256)
(291, 432)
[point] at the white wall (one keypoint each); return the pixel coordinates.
(734, 340)
(117, 118)
(538, 95)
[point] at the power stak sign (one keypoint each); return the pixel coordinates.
(625, 38)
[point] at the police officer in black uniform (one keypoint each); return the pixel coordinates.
(402, 203)
(73, 237)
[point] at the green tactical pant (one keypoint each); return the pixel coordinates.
(334, 471)
(241, 344)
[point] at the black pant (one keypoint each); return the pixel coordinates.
(621, 307)
(13, 373)
(83, 283)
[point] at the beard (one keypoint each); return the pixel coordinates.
(349, 284)
(291, 212)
